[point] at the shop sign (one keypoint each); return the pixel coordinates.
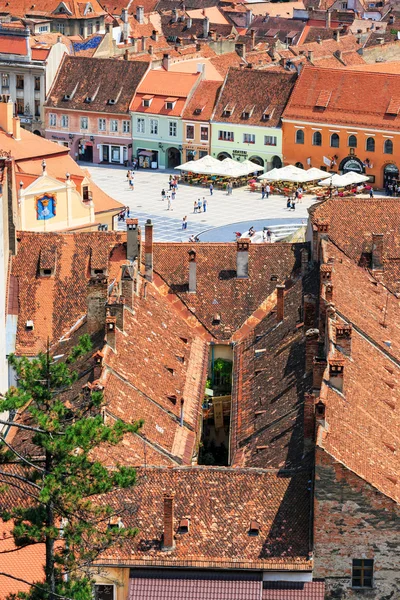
(57, 137)
(352, 165)
(239, 152)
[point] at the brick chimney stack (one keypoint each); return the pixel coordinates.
(309, 310)
(148, 250)
(377, 251)
(309, 420)
(116, 309)
(336, 372)
(304, 261)
(168, 539)
(242, 258)
(133, 239)
(318, 372)
(312, 346)
(343, 337)
(111, 331)
(192, 271)
(280, 302)
(96, 303)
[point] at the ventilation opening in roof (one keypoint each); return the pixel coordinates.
(254, 528)
(172, 398)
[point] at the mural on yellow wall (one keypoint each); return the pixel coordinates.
(45, 206)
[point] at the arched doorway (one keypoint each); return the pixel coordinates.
(299, 165)
(37, 132)
(390, 172)
(173, 158)
(258, 160)
(223, 155)
(276, 162)
(351, 163)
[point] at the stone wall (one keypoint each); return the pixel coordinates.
(354, 520)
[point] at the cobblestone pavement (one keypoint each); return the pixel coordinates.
(145, 202)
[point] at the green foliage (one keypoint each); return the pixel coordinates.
(62, 477)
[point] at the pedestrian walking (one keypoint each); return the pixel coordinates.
(128, 175)
(184, 223)
(262, 191)
(371, 192)
(195, 206)
(163, 194)
(267, 191)
(170, 182)
(211, 189)
(169, 205)
(293, 205)
(136, 164)
(131, 183)
(173, 194)
(269, 235)
(204, 204)
(288, 205)
(199, 205)
(229, 188)
(127, 212)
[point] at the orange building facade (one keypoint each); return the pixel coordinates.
(329, 123)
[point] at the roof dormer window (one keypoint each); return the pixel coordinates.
(268, 114)
(170, 103)
(248, 111)
(323, 99)
(228, 110)
(147, 100)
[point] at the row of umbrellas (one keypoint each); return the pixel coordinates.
(297, 175)
(207, 165)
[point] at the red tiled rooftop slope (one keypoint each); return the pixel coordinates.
(268, 391)
(218, 289)
(286, 590)
(351, 223)
(56, 303)
(347, 104)
(219, 503)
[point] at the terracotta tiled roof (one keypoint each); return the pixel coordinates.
(286, 590)
(346, 105)
(22, 8)
(219, 291)
(164, 5)
(363, 423)
(252, 94)
(219, 503)
(204, 98)
(268, 390)
(30, 146)
(56, 303)
(114, 7)
(163, 84)
(352, 221)
(179, 29)
(13, 45)
(101, 79)
(222, 62)
(277, 28)
(192, 585)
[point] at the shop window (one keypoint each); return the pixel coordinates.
(299, 136)
(362, 573)
(335, 140)
(352, 142)
(204, 134)
(370, 144)
(317, 138)
(190, 132)
(388, 147)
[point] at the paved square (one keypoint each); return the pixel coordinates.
(145, 202)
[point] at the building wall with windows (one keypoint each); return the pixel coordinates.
(336, 148)
(91, 137)
(263, 145)
(196, 139)
(356, 535)
(159, 136)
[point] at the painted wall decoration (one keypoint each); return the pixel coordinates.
(45, 206)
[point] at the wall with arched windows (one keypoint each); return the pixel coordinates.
(327, 146)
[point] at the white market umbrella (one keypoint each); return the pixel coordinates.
(288, 173)
(232, 168)
(314, 174)
(251, 166)
(354, 177)
(334, 181)
(206, 165)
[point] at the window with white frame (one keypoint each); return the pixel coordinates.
(204, 134)
(43, 28)
(190, 132)
(84, 123)
(64, 120)
(114, 125)
(5, 80)
(104, 591)
(227, 136)
(140, 127)
(172, 128)
(154, 126)
(102, 124)
(61, 28)
(249, 138)
(269, 140)
(126, 126)
(52, 120)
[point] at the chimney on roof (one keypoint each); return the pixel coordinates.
(6, 113)
(140, 14)
(328, 20)
(17, 129)
(241, 50)
(318, 372)
(320, 413)
(111, 330)
(154, 35)
(336, 35)
(96, 303)
(126, 54)
(192, 271)
(343, 337)
(280, 302)
(336, 371)
(132, 239)
(166, 61)
(253, 38)
(151, 49)
(304, 261)
(309, 421)
(116, 309)
(59, 39)
(310, 55)
(249, 17)
(98, 365)
(242, 258)
(391, 19)
(312, 347)
(148, 250)
(144, 42)
(174, 15)
(377, 251)
(198, 46)
(309, 311)
(206, 27)
(124, 15)
(319, 39)
(189, 23)
(168, 538)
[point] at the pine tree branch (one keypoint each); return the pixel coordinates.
(17, 547)
(13, 476)
(18, 487)
(34, 585)
(25, 460)
(28, 427)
